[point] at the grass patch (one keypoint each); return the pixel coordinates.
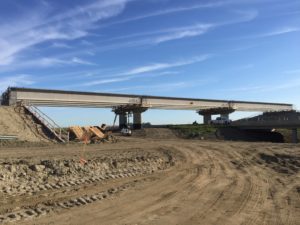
(194, 131)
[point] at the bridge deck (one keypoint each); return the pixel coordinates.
(58, 98)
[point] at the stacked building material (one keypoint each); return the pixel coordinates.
(91, 134)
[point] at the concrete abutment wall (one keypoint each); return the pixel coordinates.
(295, 135)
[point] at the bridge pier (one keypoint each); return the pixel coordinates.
(295, 135)
(123, 120)
(124, 111)
(225, 115)
(207, 118)
(137, 120)
(207, 113)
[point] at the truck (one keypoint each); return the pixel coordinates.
(220, 121)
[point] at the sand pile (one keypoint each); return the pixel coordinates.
(11, 123)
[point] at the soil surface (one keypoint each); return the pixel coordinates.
(151, 181)
(13, 122)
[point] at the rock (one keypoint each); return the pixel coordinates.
(12, 168)
(37, 168)
(22, 174)
(47, 163)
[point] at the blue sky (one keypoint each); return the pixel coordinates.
(219, 49)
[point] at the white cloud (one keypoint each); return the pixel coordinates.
(172, 10)
(45, 62)
(61, 45)
(211, 4)
(280, 31)
(48, 62)
(106, 81)
(244, 16)
(160, 66)
(82, 62)
(132, 73)
(272, 33)
(176, 33)
(70, 25)
(16, 80)
(184, 32)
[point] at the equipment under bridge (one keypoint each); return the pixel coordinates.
(122, 104)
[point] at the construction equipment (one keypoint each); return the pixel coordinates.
(97, 132)
(77, 131)
(91, 134)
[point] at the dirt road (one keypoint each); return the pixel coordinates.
(152, 182)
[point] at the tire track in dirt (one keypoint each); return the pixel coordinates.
(212, 183)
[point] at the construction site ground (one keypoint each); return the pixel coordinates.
(151, 180)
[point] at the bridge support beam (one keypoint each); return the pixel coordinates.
(295, 135)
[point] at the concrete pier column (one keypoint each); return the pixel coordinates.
(206, 118)
(225, 115)
(295, 135)
(127, 110)
(122, 120)
(137, 120)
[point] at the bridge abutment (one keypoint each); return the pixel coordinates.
(295, 135)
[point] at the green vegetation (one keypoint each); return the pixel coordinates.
(194, 131)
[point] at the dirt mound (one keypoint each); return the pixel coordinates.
(156, 133)
(31, 176)
(11, 123)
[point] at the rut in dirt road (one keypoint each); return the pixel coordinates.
(191, 183)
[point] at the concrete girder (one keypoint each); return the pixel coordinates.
(59, 98)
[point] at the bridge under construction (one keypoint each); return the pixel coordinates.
(124, 104)
(275, 115)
